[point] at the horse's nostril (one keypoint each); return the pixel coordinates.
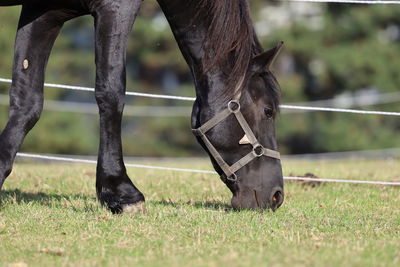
(277, 199)
(277, 196)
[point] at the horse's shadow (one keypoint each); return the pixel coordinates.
(212, 205)
(17, 196)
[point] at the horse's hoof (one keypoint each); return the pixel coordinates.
(138, 207)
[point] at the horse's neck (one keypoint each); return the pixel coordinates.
(180, 15)
(190, 38)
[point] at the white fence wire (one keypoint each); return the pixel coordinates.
(341, 110)
(129, 110)
(86, 161)
(362, 98)
(367, 2)
(386, 153)
(182, 98)
(174, 111)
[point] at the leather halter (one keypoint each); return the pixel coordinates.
(257, 151)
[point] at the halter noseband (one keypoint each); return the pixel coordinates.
(257, 151)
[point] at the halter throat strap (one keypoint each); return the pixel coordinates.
(257, 151)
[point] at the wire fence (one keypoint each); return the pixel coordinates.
(80, 88)
(161, 168)
(388, 153)
(92, 109)
(365, 2)
(183, 98)
(185, 111)
(362, 98)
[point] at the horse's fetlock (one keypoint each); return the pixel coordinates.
(115, 173)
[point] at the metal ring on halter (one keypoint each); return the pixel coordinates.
(232, 178)
(258, 150)
(233, 106)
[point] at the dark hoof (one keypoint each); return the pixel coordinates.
(118, 201)
(119, 194)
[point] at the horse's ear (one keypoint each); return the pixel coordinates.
(264, 61)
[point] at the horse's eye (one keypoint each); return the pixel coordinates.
(269, 112)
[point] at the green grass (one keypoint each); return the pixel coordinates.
(49, 216)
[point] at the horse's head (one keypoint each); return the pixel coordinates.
(239, 136)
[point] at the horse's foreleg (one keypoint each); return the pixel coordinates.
(113, 22)
(37, 31)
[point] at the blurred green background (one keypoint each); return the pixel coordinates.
(335, 55)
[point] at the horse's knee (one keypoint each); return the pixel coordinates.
(27, 111)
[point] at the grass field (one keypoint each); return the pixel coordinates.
(49, 217)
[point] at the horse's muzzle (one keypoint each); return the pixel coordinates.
(254, 199)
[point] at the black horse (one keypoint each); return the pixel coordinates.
(232, 118)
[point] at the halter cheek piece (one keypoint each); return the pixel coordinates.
(257, 152)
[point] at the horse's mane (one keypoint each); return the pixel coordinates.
(231, 38)
(229, 35)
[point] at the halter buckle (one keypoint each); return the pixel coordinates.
(232, 178)
(234, 106)
(258, 150)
